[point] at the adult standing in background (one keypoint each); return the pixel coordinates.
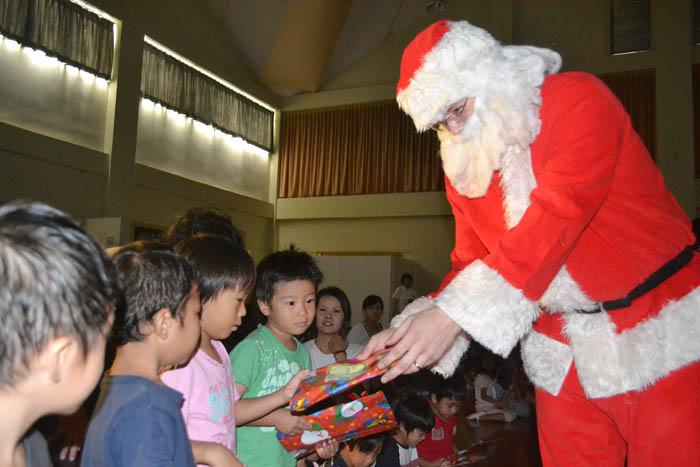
(566, 238)
(403, 295)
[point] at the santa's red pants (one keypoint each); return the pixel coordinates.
(659, 426)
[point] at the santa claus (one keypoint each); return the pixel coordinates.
(567, 240)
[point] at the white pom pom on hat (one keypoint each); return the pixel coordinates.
(451, 60)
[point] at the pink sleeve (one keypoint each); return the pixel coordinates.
(180, 379)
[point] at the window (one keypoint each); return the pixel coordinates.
(630, 26)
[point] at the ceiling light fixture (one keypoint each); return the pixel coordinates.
(435, 6)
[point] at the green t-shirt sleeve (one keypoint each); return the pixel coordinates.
(245, 362)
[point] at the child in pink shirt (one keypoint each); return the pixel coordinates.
(226, 276)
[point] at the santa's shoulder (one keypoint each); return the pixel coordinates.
(573, 82)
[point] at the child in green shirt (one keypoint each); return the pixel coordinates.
(271, 355)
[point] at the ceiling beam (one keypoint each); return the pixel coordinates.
(304, 44)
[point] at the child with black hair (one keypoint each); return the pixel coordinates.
(446, 398)
(271, 355)
(356, 452)
(202, 220)
(58, 290)
(415, 419)
(372, 309)
(226, 275)
(488, 394)
(137, 420)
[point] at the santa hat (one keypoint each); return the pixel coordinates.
(451, 60)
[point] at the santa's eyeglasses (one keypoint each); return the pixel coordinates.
(450, 118)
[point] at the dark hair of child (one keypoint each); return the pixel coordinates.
(150, 281)
(55, 281)
(372, 300)
(453, 387)
(367, 444)
(406, 275)
(285, 266)
(220, 264)
(342, 298)
(202, 220)
(413, 411)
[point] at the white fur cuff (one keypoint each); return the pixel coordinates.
(448, 363)
(486, 306)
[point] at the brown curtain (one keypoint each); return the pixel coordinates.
(357, 149)
(637, 92)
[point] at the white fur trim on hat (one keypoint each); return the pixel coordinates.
(468, 62)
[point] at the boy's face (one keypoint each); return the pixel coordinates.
(291, 309)
(445, 408)
(357, 458)
(222, 314)
(414, 437)
(185, 336)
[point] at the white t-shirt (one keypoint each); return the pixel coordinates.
(358, 334)
(480, 382)
(320, 359)
(404, 296)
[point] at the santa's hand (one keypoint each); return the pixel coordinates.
(419, 342)
(376, 344)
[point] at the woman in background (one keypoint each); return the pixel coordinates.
(332, 324)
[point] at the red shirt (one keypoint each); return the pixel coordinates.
(439, 443)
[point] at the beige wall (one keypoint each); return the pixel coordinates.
(426, 240)
(417, 225)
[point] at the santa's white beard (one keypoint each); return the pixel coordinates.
(470, 158)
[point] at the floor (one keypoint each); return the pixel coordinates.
(517, 444)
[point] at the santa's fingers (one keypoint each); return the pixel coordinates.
(396, 351)
(406, 365)
(376, 344)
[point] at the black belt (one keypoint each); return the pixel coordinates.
(660, 275)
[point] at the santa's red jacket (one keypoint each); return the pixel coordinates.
(584, 219)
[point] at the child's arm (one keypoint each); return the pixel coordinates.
(214, 455)
(248, 410)
(284, 421)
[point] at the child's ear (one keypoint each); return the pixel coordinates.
(55, 357)
(264, 308)
(433, 398)
(162, 322)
